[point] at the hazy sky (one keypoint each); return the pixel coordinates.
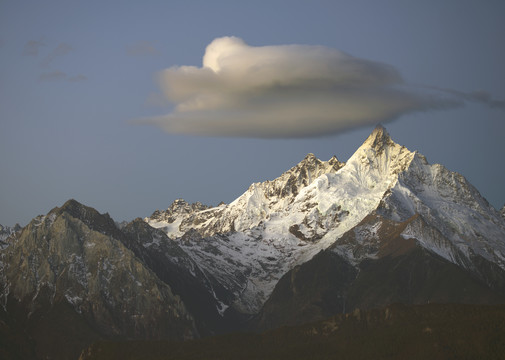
(113, 103)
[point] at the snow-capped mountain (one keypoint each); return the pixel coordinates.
(276, 225)
(325, 237)
(248, 244)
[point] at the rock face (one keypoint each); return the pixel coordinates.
(5, 232)
(74, 257)
(177, 269)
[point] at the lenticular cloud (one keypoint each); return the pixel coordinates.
(283, 91)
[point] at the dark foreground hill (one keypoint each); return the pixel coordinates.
(432, 331)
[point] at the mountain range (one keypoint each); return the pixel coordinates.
(322, 239)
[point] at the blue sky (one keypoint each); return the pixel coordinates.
(76, 76)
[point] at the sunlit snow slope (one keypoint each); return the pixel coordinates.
(250, 243)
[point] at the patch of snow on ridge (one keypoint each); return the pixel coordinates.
(171, 229)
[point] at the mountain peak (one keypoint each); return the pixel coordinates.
(379, 159)
(178, 207)
(335, 163)
(76, 209)
(379, 138)
(311, 167)
(310, 157)
(90, 216)
(380, 132)
(72, 205)
(379, 127)
(311, 160)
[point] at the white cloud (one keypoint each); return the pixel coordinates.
(284, 91)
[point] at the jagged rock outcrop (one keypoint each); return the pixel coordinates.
(179, 208)
(5, 232)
